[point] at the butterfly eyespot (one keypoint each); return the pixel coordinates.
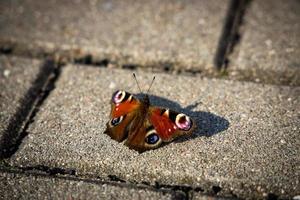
(116, 121)
(118, 97)
(183, 122)
(152, 138)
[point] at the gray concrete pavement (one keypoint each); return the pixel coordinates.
(145, 33)
(28, 186)
(247, 141)
(269, 47)
(20, 83)
(180, 36)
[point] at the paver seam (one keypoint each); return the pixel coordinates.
(68, 175)
(71, 174)
(180, 191)
(230, 33)
(92, 56)
(177, 194)
(89, 56)
(30, 103)
(76, 55)
(289, 77)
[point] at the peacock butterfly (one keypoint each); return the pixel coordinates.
(142, 126)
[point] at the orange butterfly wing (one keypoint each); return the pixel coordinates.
(143, 126)
(170, 124)
(123, 107)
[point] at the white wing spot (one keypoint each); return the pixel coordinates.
(130, 97)
(166, 113)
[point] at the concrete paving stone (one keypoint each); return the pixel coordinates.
(147, 33)
(18, 81)
(26, 186)
(247, 143)
(270, 46)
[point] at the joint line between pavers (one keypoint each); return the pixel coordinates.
(32, 100)
(230, 35)
(70, 174)
(45, 171)
(70, 55)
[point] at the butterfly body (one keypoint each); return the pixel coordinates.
(143, 126)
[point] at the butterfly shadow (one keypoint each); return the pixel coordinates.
(207, 124)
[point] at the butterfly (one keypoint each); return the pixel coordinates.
(143, 126)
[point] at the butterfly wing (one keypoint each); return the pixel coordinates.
(170, 124)
(160, 125)
(123, 111)
(143, 126)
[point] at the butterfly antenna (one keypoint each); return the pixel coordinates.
(151, 84)
(137, 82)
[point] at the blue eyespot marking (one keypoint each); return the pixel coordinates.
(116, 121)
(152, 138)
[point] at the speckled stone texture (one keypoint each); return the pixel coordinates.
(148, 33)
(25, 186)
(247, 141)
(205, 197)
(17, 76)
(269, 47)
